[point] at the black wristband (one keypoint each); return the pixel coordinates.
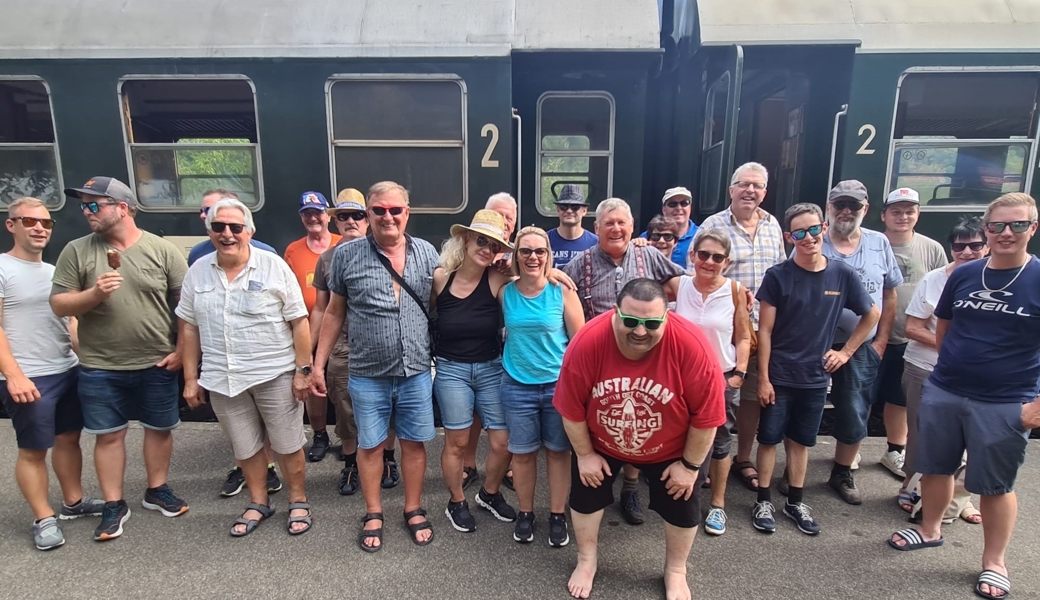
(688, 464)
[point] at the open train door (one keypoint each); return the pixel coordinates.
(722, 74)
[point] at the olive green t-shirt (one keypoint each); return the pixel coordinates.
(133, 328)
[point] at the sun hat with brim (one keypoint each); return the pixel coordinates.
(487, 223)
(349, 199)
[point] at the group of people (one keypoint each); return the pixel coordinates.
(617, 355)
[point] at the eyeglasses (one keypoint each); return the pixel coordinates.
(346, 216)
(218, 227)
(495, 247)
(750, 185)
(656, 237)
(959, 246)
(379, 211)
(651, 324)
(813, 230)
(718, 259)
(312, 213)
(94, 207)
(841, 205)
(30, 222)
(527, 252)
(678, 203)
(205, 210)
(1016, 226)
(569, 207)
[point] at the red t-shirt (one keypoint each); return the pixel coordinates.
(302, 261)
(641, 411)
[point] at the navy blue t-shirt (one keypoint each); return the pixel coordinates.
(808, 306)
(991, 351)
(564, 250)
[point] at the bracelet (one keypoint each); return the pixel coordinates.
(688, 464)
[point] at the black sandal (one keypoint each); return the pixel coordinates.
(307, 519)
(371, 533)
(417, 527)
(469, 475)
(251, 524)
(739, 469)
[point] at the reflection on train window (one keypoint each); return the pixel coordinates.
(412, 131)
(28, 151)
(189, 135)
(713, 148)
(964, 138)
(576, 146)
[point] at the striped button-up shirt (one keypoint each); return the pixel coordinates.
(600, 280)
(388, 336)
(750, 256)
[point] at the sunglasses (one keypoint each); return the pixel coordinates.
(656, 237)
(205, 210)
(651, 324)
(569, 207)
(346, 216)
(975, 246)
(841, 205)
(495, 247)
(527, 252)
(799, 234)
(94, 207)
(718, 259)
(380, 211)
(1016, 226)
(218, 227)
(750, 185)
(30, 222)
(677, 204)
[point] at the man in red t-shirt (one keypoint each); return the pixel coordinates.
(639, 385)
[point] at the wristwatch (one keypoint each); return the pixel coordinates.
(741, 374)
(303, 370)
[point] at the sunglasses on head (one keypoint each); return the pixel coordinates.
(678, 203)
(527, 252)
(380, 211)
(218, 227)
(205, 210)
(30, 222)
(1016, 226)
(569, 207)
(656, 237)
(346, 216)
(704, 255)
(852, 205)
(483, 241)
(975, 246)
(813, 230)
(651, 324)
(94, 207)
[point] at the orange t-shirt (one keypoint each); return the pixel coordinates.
(302, 261)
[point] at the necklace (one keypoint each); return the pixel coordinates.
(1020, 269)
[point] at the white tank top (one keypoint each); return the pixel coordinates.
(714, 315)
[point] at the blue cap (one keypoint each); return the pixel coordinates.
(313, 200)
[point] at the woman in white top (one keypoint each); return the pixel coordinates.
(719, 307)
(968, 243)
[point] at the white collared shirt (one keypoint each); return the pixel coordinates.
(243, 325)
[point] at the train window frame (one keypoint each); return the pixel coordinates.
(588, 154)
(462, 144)
(126, 119)
(896, 146)
(53, 145)
(707, 202)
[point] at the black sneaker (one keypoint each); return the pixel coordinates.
(460, 517)
(843, 483)
(163, 500)
(630, 508)
(112, 519)
(524, 530)
(274, 484)
(319, 447)
(234, 484)
(348, 481)
(558, 536)
(799, 513)
(496, 505)
(762, 517)
(391, 474)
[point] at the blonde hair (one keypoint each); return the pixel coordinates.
(540, 233)
(25, 201)
(385, 187)
(1010, 200)
(453, 253)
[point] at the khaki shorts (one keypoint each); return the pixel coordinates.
(267, 408)
(337, 376)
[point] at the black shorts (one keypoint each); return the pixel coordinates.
(586, 500)
(56, 412)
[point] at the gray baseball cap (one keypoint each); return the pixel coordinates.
(109, 187)
(848, 189)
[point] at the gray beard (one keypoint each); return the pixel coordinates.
(844, 228)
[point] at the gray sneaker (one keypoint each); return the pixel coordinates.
(47, 534)
(87, 507)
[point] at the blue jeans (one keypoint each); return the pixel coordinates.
(796, 415)
(851, 387)
(111, 398)
(531, 418)
(462, 388)
(408, 399)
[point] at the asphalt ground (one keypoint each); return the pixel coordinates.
(193, 556)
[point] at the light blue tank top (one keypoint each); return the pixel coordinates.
(536, 335)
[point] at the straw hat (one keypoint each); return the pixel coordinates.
(348, 200)
(487, 223)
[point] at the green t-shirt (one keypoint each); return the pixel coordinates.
(918, 257)
(134, 328)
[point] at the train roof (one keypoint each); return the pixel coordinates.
(875, 25)
(321, 28)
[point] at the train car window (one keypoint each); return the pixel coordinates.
(189, 135)
(28, 150)
(402, 129)
(964, 138)
(576, 145)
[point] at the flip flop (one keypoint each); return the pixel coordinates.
(914, 541)
(251, 524)
(417, 527)
(993, 580)
(907, 500)
(307, 519)
(371, 533)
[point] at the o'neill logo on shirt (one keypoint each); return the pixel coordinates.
(991, 301)
(630, 422)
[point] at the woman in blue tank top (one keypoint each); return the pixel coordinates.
(540, 320)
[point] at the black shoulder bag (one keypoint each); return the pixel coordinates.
(431, 321)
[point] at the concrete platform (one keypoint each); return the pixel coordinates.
(194, 557)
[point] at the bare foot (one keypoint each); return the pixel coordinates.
(676, 587)
(580, 584)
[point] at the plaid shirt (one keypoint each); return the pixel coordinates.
(751, 258)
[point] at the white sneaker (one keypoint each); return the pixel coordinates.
(855, 463)
(893, 461)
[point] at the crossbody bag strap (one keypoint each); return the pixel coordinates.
(397, 277)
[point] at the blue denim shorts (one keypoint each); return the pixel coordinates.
(110, 399)
(531, 418)
(795, 415)
(462, 388)
(409, 400)
(56, 412)
(851, 390)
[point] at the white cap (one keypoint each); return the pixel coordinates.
(903, 195)
(676, 191)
